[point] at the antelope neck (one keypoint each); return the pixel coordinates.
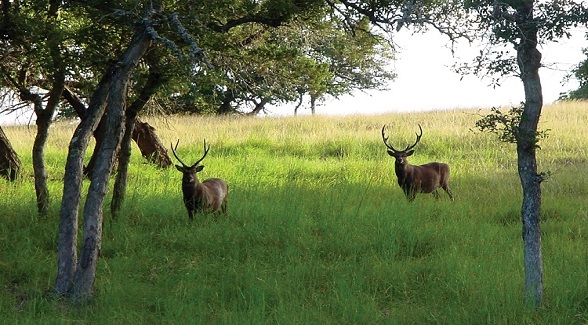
(402, 169)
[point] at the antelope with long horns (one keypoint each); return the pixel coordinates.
(412, 179)
(208, 196)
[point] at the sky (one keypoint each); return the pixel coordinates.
(426, 82)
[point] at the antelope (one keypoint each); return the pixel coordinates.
(412, 179)
(208, 196)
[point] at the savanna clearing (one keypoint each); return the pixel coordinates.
(317, 229)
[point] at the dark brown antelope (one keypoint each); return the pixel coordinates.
(412, 179)
(208, 196)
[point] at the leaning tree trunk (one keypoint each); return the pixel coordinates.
(72, 188)
(83, 282)
(99, 135)
(85, 274)
(150, 145)
(67, 260)
(529, 61)
(9, 162)
(299, 104)
(143, 134)
(259, 107)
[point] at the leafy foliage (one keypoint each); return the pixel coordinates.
(262, 52)
(580, 72)
(506, 124)
(315, 56)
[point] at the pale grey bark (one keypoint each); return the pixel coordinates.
(72, 188)
(529, 61)
(85, 272)
(75, 278)
(86, 269)
(154, 81)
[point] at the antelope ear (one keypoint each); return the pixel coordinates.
(199, 168)
(180, 168)
(409, 153)
(391, 153)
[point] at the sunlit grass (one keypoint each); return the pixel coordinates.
(317, 229)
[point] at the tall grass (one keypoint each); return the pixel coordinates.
(317, 229)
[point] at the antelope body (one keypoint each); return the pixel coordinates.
(413, 179)
(207, 196)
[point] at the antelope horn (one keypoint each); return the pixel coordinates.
(205, 153)
(417, 139)
(385, 138)
(175, 154)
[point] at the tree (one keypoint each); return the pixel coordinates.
(19, 72)
(154, 80)
(76, 278)
(522, 23)
(525, 25)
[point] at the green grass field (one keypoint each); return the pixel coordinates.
(317, 231)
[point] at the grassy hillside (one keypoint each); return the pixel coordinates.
(318, 231)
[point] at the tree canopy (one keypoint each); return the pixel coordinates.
(269, 52)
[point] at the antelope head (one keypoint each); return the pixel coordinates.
(190, 171)
(401, 155)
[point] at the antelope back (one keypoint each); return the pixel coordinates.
(216, 194)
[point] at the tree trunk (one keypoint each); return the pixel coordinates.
(99, 135)
(154, 81)
(120, 184)
(44, 117)
(225, 106)
(85, 274)
(86, 268)
(41, 188)
(259, 107)
(72, 188)
(150, 145)
(9, 162)
(38, 154)
(299, 104)
(529, 61)
(144, 136)
(312, 104)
